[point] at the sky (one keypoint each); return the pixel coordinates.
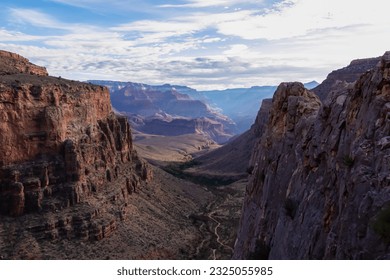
(204, 44)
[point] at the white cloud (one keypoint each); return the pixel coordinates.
(302, 17)
(35, 18)
(236, 50)
(209, 3)
(294, 40)
(15, 36)
(112, 6)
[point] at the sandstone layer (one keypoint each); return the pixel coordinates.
(12, 63)
(320, 186)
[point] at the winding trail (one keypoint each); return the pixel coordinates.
(210, 215)
(210, 232)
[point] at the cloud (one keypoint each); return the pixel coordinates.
(121, 7)
(204, 48)
(209, 3)
(297, 18)
(15, 36)
(35, 18)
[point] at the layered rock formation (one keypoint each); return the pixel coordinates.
(63, 155)
(210, 129)
(163, 110)
(320, 186)
(12, 63)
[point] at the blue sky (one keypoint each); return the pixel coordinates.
(205, 44)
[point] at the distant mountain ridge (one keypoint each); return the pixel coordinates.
(238, 104)
(163, 110)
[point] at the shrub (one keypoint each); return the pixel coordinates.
(381, 224)
(249, 170)
(348, 160)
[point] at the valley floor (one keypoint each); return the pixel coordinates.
(169, 218)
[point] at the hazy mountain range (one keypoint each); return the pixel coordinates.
(159, 101)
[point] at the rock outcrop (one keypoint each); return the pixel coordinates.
(344, 76)
(63, 155)
(320, 186)
(12, 63)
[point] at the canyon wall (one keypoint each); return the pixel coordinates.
(320, 186)
(65, 158)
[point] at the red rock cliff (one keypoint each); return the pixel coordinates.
(60, 142)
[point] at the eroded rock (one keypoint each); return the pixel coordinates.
(66, 160)
(320, 187)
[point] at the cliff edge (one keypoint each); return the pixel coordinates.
(67, 163)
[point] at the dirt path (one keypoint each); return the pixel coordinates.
(210, 215)
(209, 230)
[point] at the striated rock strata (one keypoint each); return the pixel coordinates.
(164, 110)
(12, 63)
(320, 187)
(64, 156)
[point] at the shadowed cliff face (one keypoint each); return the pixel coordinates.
(232, 159)
(320, 188)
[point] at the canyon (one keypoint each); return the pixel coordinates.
(72, 186)
(148, 178)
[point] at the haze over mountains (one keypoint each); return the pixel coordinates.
(163, 110)
(155, 106)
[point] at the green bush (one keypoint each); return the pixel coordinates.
(348, 160)
(381, 224)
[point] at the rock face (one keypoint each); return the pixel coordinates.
(320, 186)
(61, 149)
(11, 63)
(348, 74)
